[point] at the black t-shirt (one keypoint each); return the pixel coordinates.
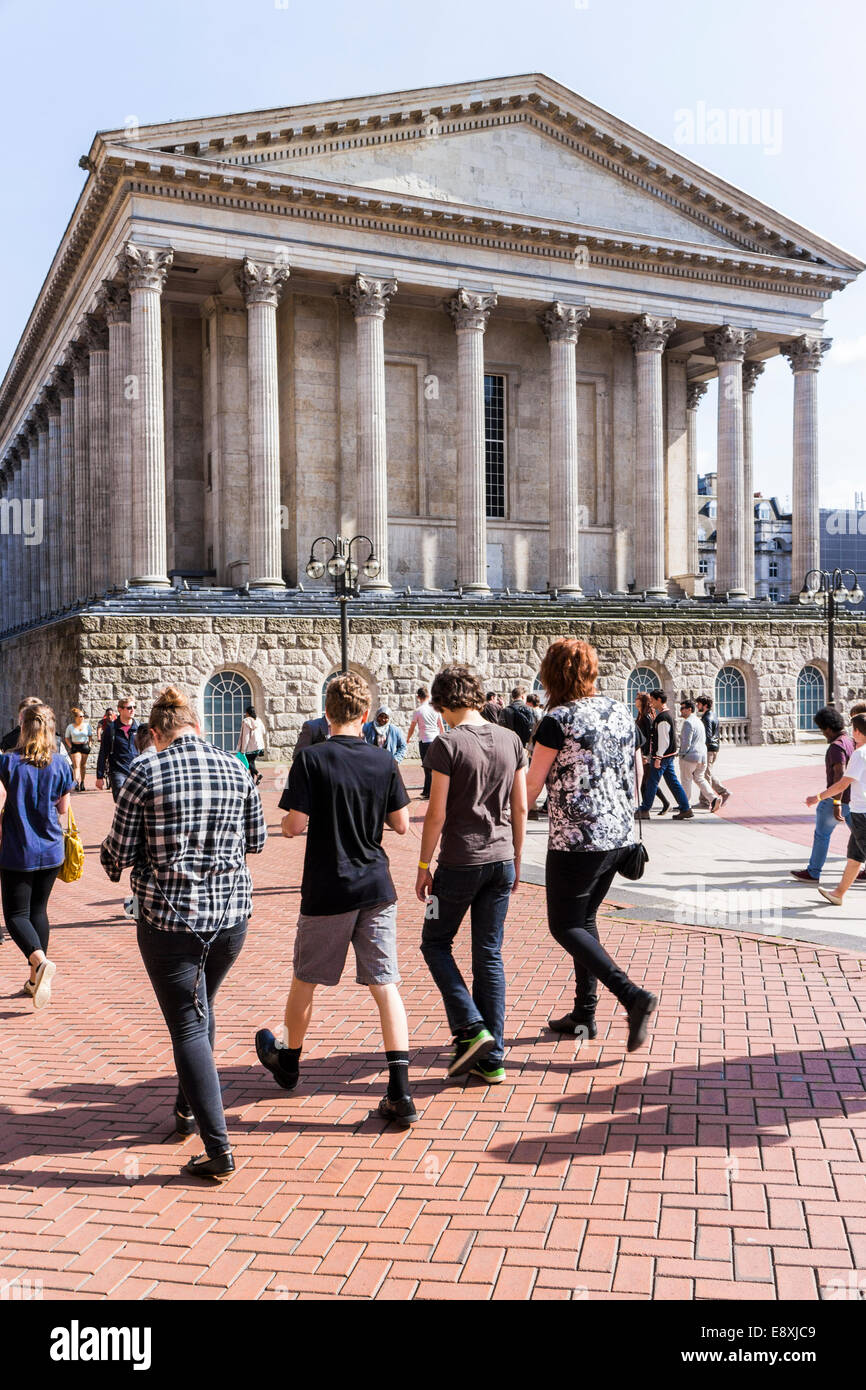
(347, 787)
(10, 740)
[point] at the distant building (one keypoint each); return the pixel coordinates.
(843, 541)
(773, 542)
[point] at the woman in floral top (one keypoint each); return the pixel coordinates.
(585, 753)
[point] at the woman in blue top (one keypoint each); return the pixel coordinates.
(35, 782)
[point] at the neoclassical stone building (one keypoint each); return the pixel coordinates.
(472, 323)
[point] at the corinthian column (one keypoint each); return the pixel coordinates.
(804, 355)
(649, 336)
(469, 312)
(369, 300)
(96, 337)
(146, 268)
(728, 346)
(561, 325)
(261, 286)
(751, 372)
(694, 394)
(79, 360)
(53, 499)
(114, 303)
(29, 512)
(22, 557)
(7, 539)
(41, 559)
(67, 537)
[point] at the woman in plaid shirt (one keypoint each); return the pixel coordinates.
(184, 821)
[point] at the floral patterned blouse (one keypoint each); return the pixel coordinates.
(591, 782)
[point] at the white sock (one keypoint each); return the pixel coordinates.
(284, 1042)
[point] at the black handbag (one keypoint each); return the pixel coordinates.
(634, 857)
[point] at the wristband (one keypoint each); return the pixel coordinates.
(423, 866)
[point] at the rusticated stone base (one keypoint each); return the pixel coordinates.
(90, 660)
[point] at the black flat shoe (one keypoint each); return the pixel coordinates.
(400, 1112)
(638, 1019)
(269, 1055)
(183, 1124)
(569, 1025)
(219, 1168)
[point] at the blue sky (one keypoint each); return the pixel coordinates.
(70, 70)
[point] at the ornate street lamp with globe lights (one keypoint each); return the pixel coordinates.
(829, 587)
(343, 568)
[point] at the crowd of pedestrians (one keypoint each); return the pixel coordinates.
(187, 814)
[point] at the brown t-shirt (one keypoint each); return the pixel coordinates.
(480, 761)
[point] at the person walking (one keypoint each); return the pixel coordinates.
(853, 778)
(478, 808)
(663, 748)
(518, 716)
(342, 793)
(185, 820)
(830, 811)
(712, 730)
(78, 739)
(313, 731)
(9, 741)
(693, 756)
(35, 782)
(644, 721)
(427, 722)
(117, 748)
(251, 741)
(533, 702)
(585, 751)
(383, 733)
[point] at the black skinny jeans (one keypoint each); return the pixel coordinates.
(577, 883)
(25, 897)
(172, 959)
(660, 796)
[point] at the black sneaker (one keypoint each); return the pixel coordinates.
(569, 1025)
(638, 1019)
(269, 1055)
(400, 1112)
(470, 1049)
(219, 1168)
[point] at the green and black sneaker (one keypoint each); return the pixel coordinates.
(469, 1049)
(491, 1072)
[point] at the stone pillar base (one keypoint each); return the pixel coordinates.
(692, 585)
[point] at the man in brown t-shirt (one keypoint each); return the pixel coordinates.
(478, 806)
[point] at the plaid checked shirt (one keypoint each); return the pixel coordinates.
(185, 819)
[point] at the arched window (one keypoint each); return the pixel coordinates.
(810, 696)
(730, 693)
(641, 679)
(325, 683)
(226, 696)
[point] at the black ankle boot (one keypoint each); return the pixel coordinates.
(639, 1013)
(574, 1025)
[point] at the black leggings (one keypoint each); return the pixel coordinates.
(25, 897)
(577, 883)
(251, 759)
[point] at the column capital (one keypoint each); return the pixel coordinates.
(470, 309)
(751, 372)
(146, 267)
(804, 353)
(39, 417)
(261, 282)
(22, 442)
(63, 382)
(50, 398)
(114, 303)
(561, 323)
(78, 356)
(369, 298)
(695, 393)
(649, 333)
(94, 333)
(728, 344)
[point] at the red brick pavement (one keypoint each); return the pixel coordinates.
(775, 802)
(725, 1160)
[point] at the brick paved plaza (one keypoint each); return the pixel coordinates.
(725, 1161)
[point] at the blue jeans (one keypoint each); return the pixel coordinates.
(654, 776)
(825, 824)
(483, 890)
(171, 959)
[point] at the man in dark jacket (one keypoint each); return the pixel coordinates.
(663, 749)
(117, 748)
(711, 725)
(518, 716)
(312, 731)
(9, 742)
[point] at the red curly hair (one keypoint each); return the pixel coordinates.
(569, 671)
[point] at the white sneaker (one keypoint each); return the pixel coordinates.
(44, 975)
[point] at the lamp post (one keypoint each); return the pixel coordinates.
(342, 566)
(829, 587)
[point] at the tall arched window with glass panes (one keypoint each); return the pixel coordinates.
(226, 696)
(811, 695)
(641, 680)
(730, 693)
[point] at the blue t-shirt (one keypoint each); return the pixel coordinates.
(32, 836)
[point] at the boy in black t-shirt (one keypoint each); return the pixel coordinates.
(342, 792)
